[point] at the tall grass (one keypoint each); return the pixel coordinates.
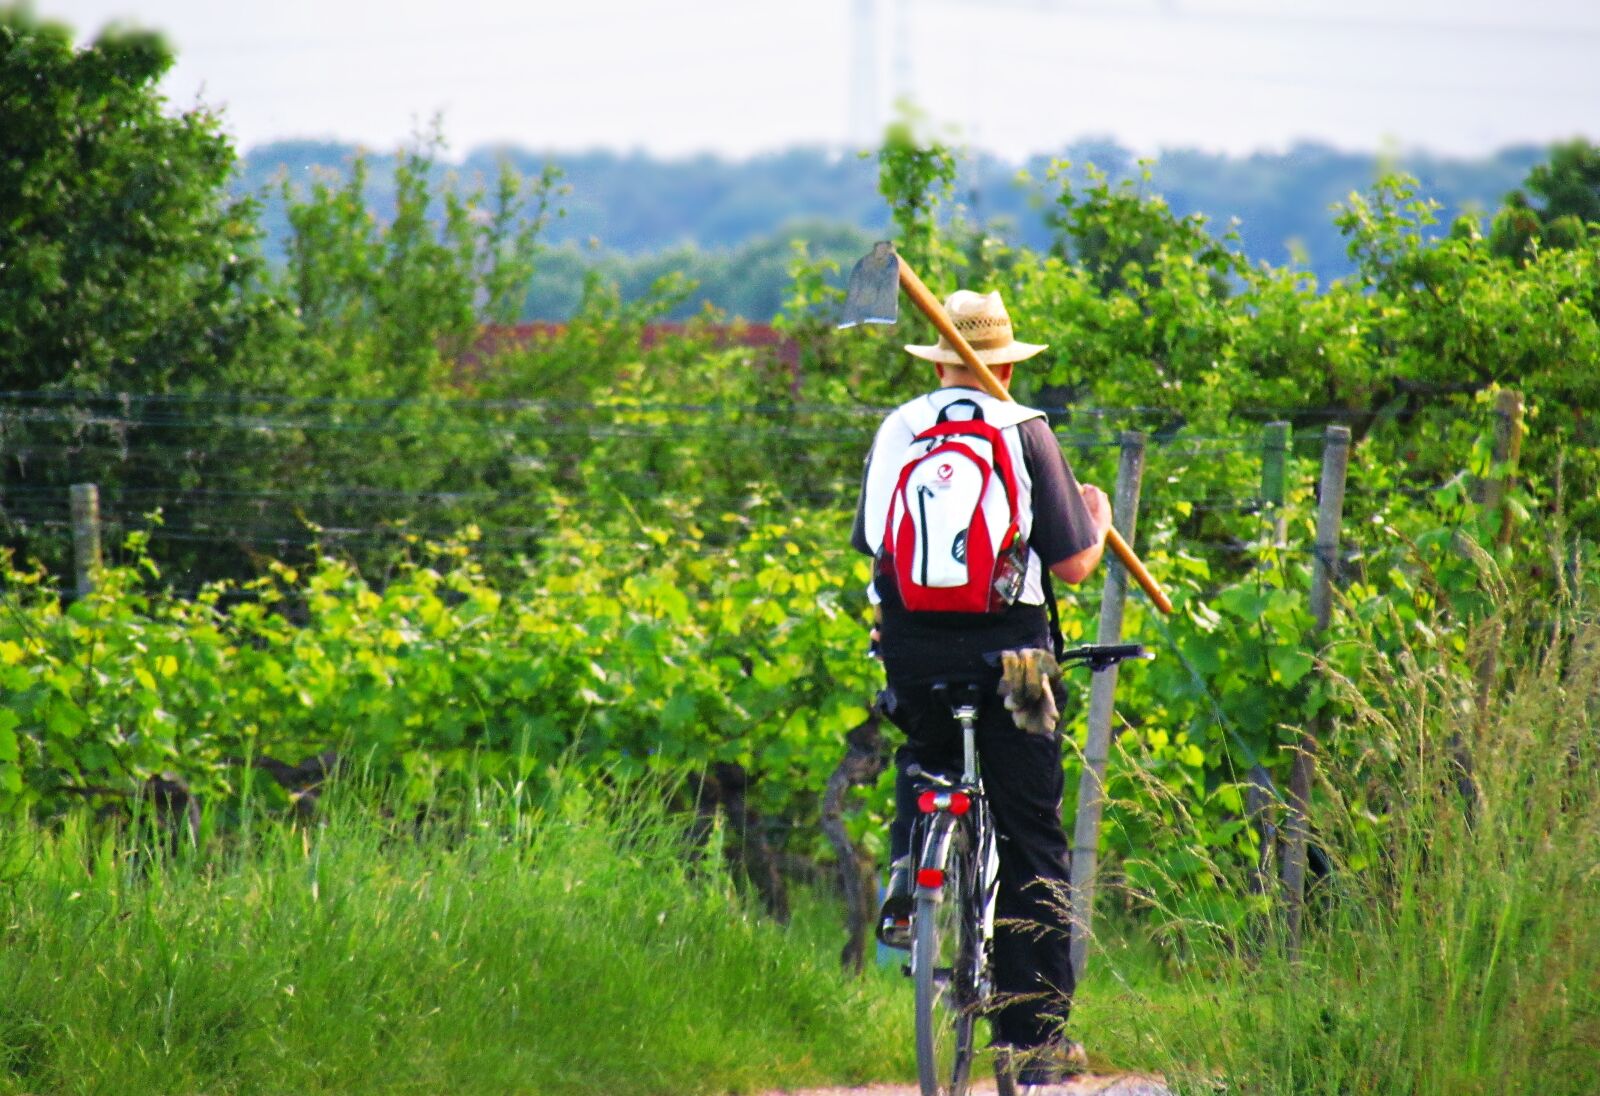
(1453, 949)
(576, 946)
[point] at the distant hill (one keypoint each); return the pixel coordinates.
(636, 215)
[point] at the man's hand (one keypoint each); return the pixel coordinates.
(1099, 507)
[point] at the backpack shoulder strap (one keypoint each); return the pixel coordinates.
(1003, 414)
(1057, 641)
(977, 412)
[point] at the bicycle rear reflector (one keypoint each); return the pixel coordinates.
(930, 877)
(954, 802)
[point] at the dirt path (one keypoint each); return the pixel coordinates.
(1118, 1084)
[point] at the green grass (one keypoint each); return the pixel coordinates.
(580, 947)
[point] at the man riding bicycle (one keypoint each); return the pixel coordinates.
(1055, 524)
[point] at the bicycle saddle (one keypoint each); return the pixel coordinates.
(959, 694)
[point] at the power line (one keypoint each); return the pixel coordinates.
(1171, 11)
(444, 403)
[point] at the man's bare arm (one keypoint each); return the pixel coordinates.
(1076, 568)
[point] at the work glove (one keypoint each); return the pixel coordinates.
(1031, 685)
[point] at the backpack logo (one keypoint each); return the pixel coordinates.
(951, 539)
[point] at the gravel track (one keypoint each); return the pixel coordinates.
(1099, 1084)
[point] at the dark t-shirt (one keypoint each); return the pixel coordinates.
(924, 646)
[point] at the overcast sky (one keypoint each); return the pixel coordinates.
(1016, 76)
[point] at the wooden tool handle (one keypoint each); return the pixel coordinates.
(931, 308)
(1137, 569)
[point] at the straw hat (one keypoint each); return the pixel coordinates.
(981, 319)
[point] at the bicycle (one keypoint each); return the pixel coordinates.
(956, 884)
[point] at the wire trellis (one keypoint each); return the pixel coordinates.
(272, 473)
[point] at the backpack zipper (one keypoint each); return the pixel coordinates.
(923, 491)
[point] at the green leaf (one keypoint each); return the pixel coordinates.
(64, 721)
(1244, 602)
(1289, 665)
(679, 712)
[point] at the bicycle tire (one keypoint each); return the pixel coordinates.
(1005, 1081)
(943, 948)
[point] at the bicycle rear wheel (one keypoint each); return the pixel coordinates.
(943, 958)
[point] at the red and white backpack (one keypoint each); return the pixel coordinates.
(952, 540)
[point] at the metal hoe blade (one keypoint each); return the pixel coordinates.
(873, 295)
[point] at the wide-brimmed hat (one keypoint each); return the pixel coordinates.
(981, 319)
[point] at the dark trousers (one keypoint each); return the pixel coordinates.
(1023, 781)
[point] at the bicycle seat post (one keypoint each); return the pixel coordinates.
(964, 699)
(967, 716)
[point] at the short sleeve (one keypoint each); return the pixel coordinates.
(1061, 523)
(858, 529)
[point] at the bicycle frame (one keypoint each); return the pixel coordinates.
(959, 808)
(956, 849)
(987, 851)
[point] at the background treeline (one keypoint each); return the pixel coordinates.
(727, 224)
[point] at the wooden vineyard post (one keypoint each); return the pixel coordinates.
(1490, 495)
(85, 536)
(1274, 459)
(1330, 511)
(1102, 695)
(1260, 794)
(1491, 492)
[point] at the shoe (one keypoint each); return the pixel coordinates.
(894, 919)
(1052, 1063)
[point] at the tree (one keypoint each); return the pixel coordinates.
(385, 307)
(1119, 233)
(123, 264)
(1569, 185)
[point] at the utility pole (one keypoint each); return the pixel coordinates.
(866, 123)
(901, 44)
(868, 60)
